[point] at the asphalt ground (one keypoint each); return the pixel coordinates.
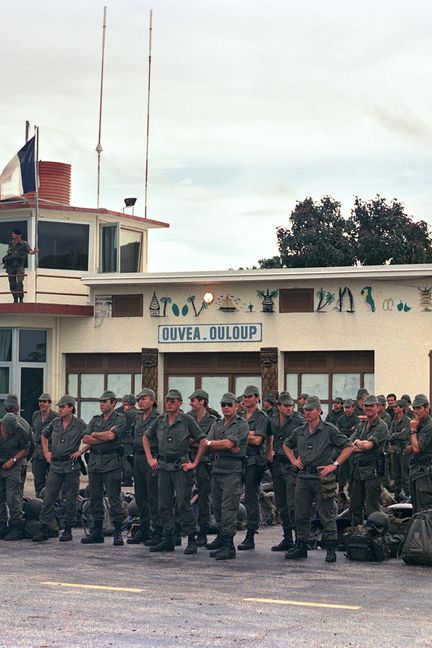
(67, 594)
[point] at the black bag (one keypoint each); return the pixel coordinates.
(365, 544)
(417, 548)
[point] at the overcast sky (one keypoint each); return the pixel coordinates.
(255, 105)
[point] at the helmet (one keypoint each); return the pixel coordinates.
(379, 521)
(32, 508)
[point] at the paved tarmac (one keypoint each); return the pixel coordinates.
(55, 594)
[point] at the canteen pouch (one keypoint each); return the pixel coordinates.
(328, 486)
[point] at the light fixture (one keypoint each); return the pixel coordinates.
(208, 297)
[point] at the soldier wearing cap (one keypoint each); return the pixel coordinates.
(145, 479)
(11, 406)
(346, 423)
(103, 437)
(270, 403)
(61, 440)
(369, 440)
(40, 419)
(172, 432)
(284, 475)
(259, 431)
(382, 413)
(420, 453)
(301, 400)
(360, 399)
(14, 446)
(336, 412)
(227, 442)
(408, 411)
(391, 402)
(130, 413)
(316, 448)
(382, 410)
(199, 404)
(399, 440)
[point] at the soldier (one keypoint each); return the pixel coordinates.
(40, 419)
(130, 413)
(284, 475)
(360, 399)
(391, 402)
(369, 440)
(399, 440)
(227, 441)
(241, 409)
(199, 402)
(14, 446)
(172, 433)
(11, 406)
(301, 400)
(408, 410)
(382, 410)
(259, 429)
(337, 411)
(65, 433)
(146, 479)
(420, 453)
(14, 262)
(269, 403)
(103, 437)
(347, 423)
(316, 443)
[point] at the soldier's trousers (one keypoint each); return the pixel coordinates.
(179, 484)
(365, 498)
(111, 480)
(40, 468)
(308, 490)
(146, 492)
(400, 465)
(127, 462)
(11, 494)
(252, 481)
(421, 493)
(203, 477)
(55, 482)
(16, 282)
(226, 492)
(284, 481)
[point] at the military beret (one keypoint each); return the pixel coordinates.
(129, 399)
(251, 390)
(174, 393)
(228, 398)
(348, 402)
(147, 392)
(381, 399)
(66, 400)
(419, 400)
(371, 400)
(45, 397)
(285, 398)
(362, 392)
(313, 402)
(338, 399)
(200, 393)
(108, 395)
(10, 422)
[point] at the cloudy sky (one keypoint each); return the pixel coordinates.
(255, 105)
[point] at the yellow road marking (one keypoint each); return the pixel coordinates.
(303, 603)
(95, 587)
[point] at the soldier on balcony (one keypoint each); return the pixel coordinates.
(14, 262)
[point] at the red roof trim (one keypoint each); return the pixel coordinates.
(46, 309)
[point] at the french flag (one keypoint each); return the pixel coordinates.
(18, 176)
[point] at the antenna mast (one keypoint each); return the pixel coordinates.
(148, 112)
(99, 146)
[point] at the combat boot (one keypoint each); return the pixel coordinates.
(155, 537)
(140, 536)
(166, 544)
(228, 551)
(96, 536)
(118, 538)
(216, 544)
(299, 550)
(331, 551)
(177, 535)
(286, 543)
(249, 542)
(191, 547)
(16, 532)
(66, 536)
(201, 538)
(3, 529)
(42, 535)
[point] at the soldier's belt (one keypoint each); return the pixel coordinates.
(169, 459)
(140, 451)
(309, 470)
(63, 459)
(105, 452)
(281, 459)
(221, 457)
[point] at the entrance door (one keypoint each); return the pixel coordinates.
(32, 386)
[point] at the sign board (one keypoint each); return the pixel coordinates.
(178, 334)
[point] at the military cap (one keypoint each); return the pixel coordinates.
(45, 397)
(11, 403)
(285, 398)
(10, 422)
(313, 402)
(402, 402)
(348, 402)
(419, 400)
(371, 400)
(338, 399)
(271, 398)
(239, 399)
(251, 390)
(174, 393)
(406, 397)
(200, 393)
(108, 395)
(147, 392)
(66, 400)
(228, 398)
(381, 399)
(129, 399)
(304, 396)
(362, 392)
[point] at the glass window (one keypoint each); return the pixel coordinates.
(345, 385)
(185, 384)
(241, 382)
(108, 246)
(4, 380)
(291, 382)
(130, 248)
(369, 382)
(6, 228)
(315, 385)
(325, 410)
(72, 385)
(92, 385)
(89, 409)
(63, 246)
(120, 384)
(137, 383)
(216, 386)
(5, 345)
(32, 385)
(32, 345)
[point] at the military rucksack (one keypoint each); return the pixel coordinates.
(417, 548)
(365, 543)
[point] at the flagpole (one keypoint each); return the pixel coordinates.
(148, 112)
(99, 145)
(36, 168)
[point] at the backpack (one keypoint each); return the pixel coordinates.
(417, 548)
(87, 518)
(366, 544)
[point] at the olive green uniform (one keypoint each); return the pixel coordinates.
(284, 475)
(64, 472)
(399, 439)
(347, 424)
(10, 479)
(334, 416)
(255, 468)
(128, 443)
(368, 470)
(40, 466)
(173, 443)
(145, 479)
(317, 448)
(104, 468)
(203, 475)
(14, 262)
(227, 473)
(420, 468)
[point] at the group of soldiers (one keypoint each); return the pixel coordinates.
(360, 446)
